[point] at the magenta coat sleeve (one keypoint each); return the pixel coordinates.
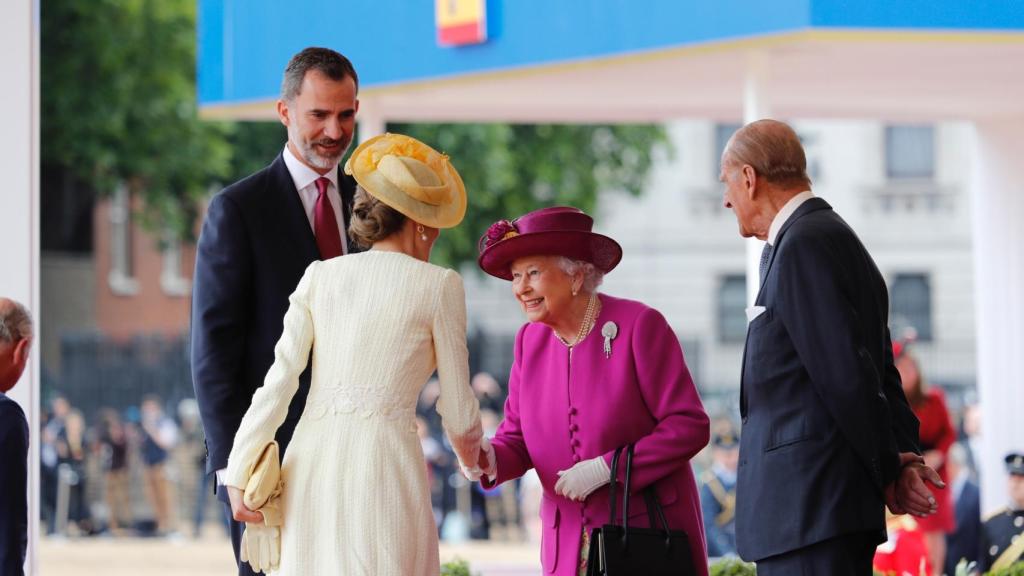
(682, 428)
(510, 450)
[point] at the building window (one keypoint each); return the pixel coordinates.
(171, 280)
(121, 279)
(910, 152)
(722, 134)
(911, 300)
(732, 303)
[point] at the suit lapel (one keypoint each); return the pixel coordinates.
(291, 216)
(811, 205)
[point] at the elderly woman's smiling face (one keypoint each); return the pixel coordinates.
(543, 288)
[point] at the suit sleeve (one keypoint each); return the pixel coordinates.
(682, 427)
(510, 451)
(220, 300)
(13, 488)
(822, 323)
(458, 406)
(905, 424)
(270, 402)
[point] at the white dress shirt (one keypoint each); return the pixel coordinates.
(784, 214)
(305, 178)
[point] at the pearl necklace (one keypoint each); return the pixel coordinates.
(589, 318)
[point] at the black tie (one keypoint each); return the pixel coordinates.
(766, 256)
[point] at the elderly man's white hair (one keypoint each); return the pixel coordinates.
(15, 321)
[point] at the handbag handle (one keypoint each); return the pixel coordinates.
(613, 482)
(649, 495)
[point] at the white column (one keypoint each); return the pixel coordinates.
(998, 223)
(19, 203)
(371, 121)
(755, 107)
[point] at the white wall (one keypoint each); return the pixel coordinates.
(19, 200)
(998, 193)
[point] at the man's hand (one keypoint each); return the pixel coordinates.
(909, 493)
(238, 509)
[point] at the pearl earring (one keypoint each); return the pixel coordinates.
(423, 233)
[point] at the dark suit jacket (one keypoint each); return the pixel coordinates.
(13, 487)
(965, 540)
(255, 245)
(824, 415)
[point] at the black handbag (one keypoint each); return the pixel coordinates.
(620, 550)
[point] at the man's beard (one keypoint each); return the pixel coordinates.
(309, 153)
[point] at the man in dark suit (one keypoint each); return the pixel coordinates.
(15, 341)
(828, 437)
(259, 236)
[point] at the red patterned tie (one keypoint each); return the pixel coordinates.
(325, 225)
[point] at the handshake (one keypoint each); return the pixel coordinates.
(485, 463)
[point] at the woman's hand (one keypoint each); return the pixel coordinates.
(578, 482)
(485, 463)
(238, 509)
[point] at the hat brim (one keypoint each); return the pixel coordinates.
(601, 251)
(447, 215)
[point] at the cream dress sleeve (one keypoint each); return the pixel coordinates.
(458, 406)
(269, 405)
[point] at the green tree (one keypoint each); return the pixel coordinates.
(512, 169)
(118, 104)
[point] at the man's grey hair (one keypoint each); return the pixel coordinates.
(15, 322)
(324, 60)
(592, 277)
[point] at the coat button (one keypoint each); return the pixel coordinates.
(574, 428)
(572, 411)
(576, 442)
(576, 458)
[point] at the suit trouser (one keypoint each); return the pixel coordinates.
(848, 555)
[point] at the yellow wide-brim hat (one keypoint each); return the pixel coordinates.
(410, 177)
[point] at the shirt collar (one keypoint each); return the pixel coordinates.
(303, 175)
(784, 214)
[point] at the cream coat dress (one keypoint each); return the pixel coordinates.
(356, 499)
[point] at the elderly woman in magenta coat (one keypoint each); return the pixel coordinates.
(591, 373)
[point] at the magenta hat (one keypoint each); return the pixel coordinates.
(558, 231)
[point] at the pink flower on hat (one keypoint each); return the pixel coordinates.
(501, 230)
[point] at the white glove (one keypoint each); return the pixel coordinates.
(474, 473)
(578, 482)
(261, 547)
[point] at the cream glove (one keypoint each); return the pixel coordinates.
(261, 547)
(578, 482)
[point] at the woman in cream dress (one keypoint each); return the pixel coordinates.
(355, 498)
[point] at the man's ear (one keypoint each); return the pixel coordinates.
(749, 180)
(282, 112)
(21, 352)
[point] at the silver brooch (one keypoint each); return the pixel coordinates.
(609, 331)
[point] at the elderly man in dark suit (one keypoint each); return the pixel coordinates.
(15, 341)
(828, 438)
(259, 236)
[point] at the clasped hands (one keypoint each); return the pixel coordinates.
(908, 494)
(485, 463)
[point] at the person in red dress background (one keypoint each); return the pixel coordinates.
(937, 435)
